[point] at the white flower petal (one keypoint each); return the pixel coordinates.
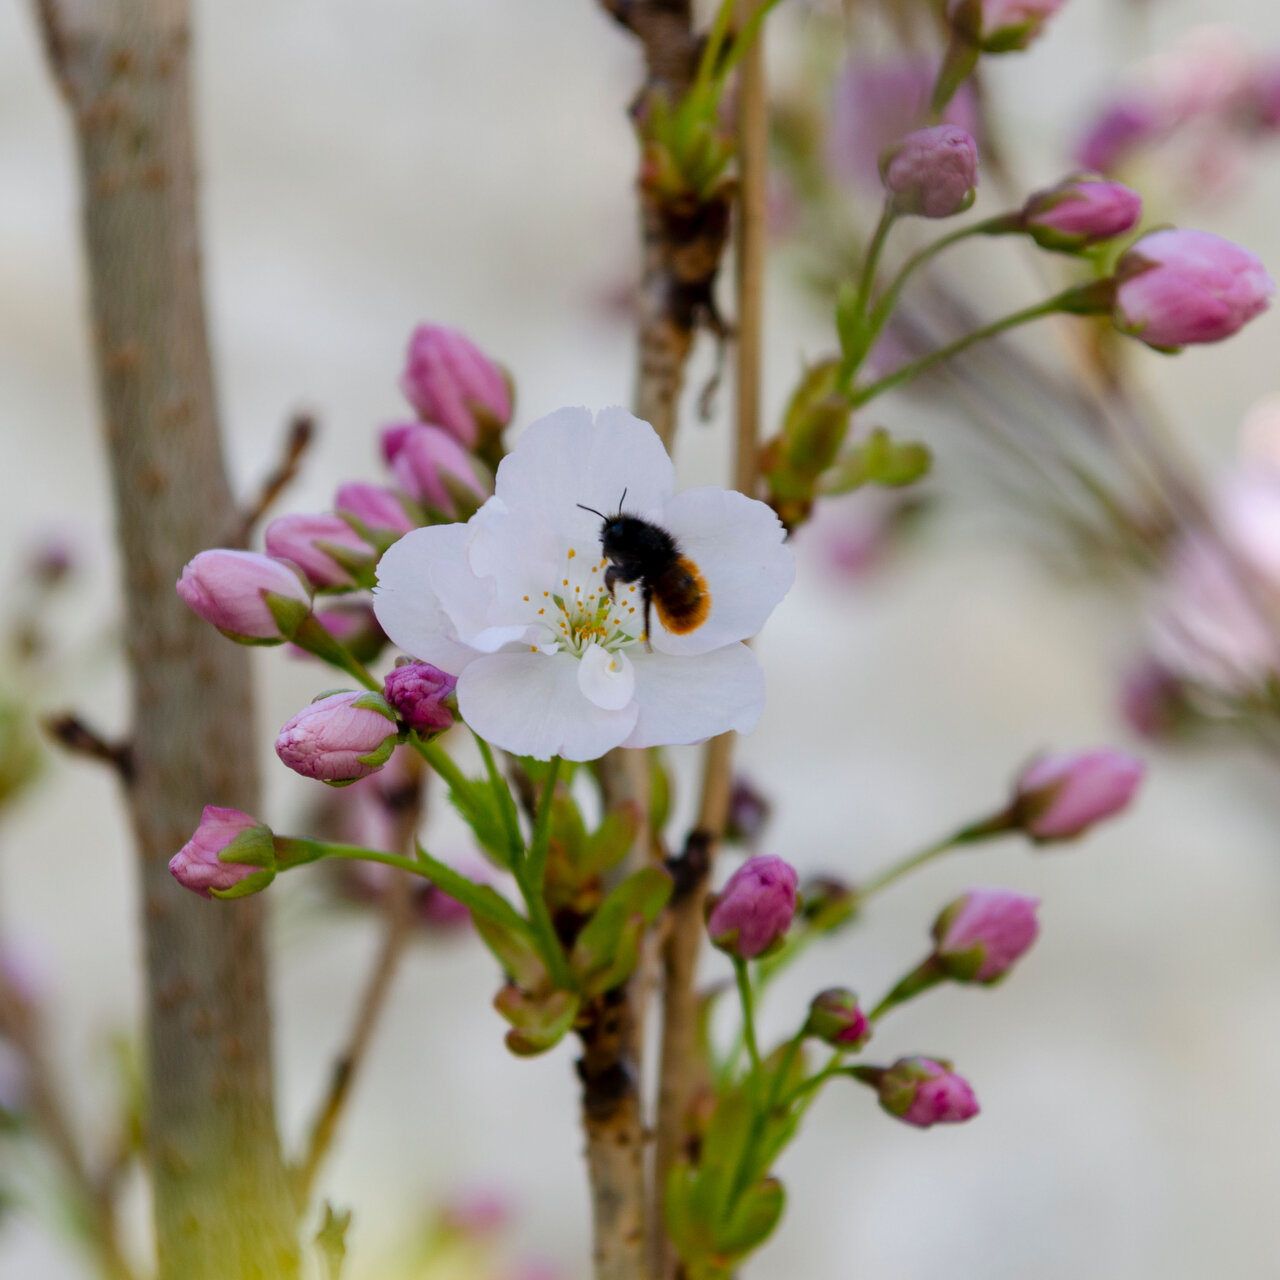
(530, 704)
(406, 604)
(606, 679)
(569, 458)
(738, 546)
(688, 699)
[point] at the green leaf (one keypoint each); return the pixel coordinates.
(611, 840)
(660, 794)
(850, 324)
(515, 952)
(537, 1023)
(878, 460)
(481, 810)
(609, 944)
(752, 1220)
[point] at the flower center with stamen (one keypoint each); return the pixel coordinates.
(578, 612)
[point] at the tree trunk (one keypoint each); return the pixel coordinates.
(222, 1206)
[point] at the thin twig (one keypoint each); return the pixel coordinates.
(681, 1073)
(302, 431)
(71, 733)
(406, 803)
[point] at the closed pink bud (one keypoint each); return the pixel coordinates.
(452, 383)
(325, 547)
(980, 935)
(339, 738)
(1175, 288)
(754, 909)
(1059, 797)
(924, 1092)
(422, 696)
(836, 1017)
(1001, 26)
(932, 172)
(1081, 212)
(433, 468)
(229, 589)
(378, 509)
(200, 867)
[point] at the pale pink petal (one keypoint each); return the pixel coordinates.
(530, 704)
(737, 545)
(606, 679)
(690, 699)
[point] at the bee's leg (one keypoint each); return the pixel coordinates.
(612, 575)
(648, 603)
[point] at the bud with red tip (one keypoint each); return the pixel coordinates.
(922, 1092)
(230, 855)
(245, 595)
(453, 384)
(1000, 26)
(1080, 213)
(982, 934)
(423, 696)
(325, 547)
(1175, 288)
(376, 512)
(340, 738)
(836, 1017)
(1060, 796)
(753, 911)
(434, 469)
(932, 172)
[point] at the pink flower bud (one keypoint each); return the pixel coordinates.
(428, 463)
(318, 544)
(980, 935)
(932, 172)
(339, 738)
(836, 1017)
(1059, 797)
(229, 588)
(1001, 26)
(925, 1092)
(452, 383)
(211, 860)
(421, 695)
(1081, 212)
(754, 909)
(379, 510)
(1153, 700)
(1178, 287)
(749, 811)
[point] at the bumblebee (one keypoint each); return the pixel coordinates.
(639, 551)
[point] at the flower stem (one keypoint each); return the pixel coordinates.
(807, 1089)
(913, 370)
(986, 829)
(502, 794)
(531, 875)
(440, 760)
(313, 636)
(925, 975)
(749, 1029)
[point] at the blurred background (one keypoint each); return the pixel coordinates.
(367, 167)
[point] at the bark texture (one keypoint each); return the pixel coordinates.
(222, 1206)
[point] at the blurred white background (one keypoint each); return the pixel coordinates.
(368, 166)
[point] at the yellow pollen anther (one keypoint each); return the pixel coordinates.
(526, 599)
(566, 582)
(541, 611)
(572, 553)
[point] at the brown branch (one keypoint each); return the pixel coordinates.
(681, 1071)
(302, 431)
(74, 735)
(221, 1197)
(406, 804)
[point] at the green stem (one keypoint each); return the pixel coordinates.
(958, 63)
(749, 1028)
(502, 793)
(987, 829)
(531, 875)
(440, 760)
(872, 260)
(1001, 224)
(926, 975)
(913, 370)
(313, 636)
(812, 1084)
(711, 50)
(742, 42)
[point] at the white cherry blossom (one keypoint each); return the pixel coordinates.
(514, 603)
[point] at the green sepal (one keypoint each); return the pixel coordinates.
(851, 325)
(380, 754)
(289, 614)
(607, 949)
(515, 952)
(252, 847)
(538, 1023)
(752, 1219)
(254, 883)
(880, 460)
(370, 700)
(358, 565)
